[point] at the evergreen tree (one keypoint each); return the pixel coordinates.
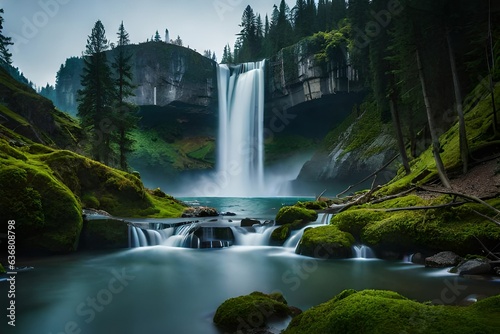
(157, 37)
(96, 98)
(126, 121)
(5, 55)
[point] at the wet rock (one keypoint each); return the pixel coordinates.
(443, 260)
(473, 267)
(418, 258)
(228, 214)
(247, 222)
(200, 211)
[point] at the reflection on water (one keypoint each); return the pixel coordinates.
(173, 290)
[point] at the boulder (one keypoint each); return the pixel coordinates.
(291, 214)
(443, 260)
(473, 267)
(326, 242)
(247, 222)
(418, 258)
(200, 211)
(251, 313)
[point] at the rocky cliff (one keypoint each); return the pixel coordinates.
(353, 150)
(163, 74)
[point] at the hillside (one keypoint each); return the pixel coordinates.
(44, 186)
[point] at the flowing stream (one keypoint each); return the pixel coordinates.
(164, 288)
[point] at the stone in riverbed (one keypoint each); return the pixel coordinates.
(200, 211)
(443, 260)
(247, 222)
(473, 267)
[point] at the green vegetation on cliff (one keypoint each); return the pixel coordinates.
(378, 311)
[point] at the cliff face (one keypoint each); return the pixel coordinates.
(355, 149)
(162, 73)
(296, 75)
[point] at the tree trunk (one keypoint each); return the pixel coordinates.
(434, 136)
(399, 134)
(464, 146)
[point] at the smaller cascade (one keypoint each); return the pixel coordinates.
(363, 252)
(254, 236)
(187, 235)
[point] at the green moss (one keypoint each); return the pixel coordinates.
(48, 215)
(250, 311)
(2, 269)
(90, 201)
(479, 133)
(104, 234)
(326, 242)
(290, 214)
(312, 205)
(453, 228)
(280, 234)
(375, 311)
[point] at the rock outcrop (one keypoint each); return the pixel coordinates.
(162, 73)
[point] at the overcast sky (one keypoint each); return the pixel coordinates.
(46, 32)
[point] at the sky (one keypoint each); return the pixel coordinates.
(47, 32)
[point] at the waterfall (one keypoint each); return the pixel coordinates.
(240, 157)
(259, 237)
(363, 252)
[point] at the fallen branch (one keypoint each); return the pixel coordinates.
(487, 250)
(486, 217)
(319, 196)
(403, 193)
(369, 176)
(469, 197)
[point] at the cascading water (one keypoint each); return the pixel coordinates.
(240, 158)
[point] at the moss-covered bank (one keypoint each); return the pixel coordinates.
(457, 229)
(372, 311)
(44, 190)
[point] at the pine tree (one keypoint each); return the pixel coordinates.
(5, 55)
(157, 37)
(96, 98)
(126, 121)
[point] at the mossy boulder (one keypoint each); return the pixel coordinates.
(326, 242)
(246, 313)
(376, 311)
(290, 214)
(435, 230)
(104, 234)
(48, 216)
(312, 205)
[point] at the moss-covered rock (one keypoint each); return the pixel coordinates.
(445, 229)
(104, 234)
(47, 214)
(312, 205)
(326, 242)
(372, 311)
(245, 313)
(290, 214)
(280, 234)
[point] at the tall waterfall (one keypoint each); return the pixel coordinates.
(240, 158)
